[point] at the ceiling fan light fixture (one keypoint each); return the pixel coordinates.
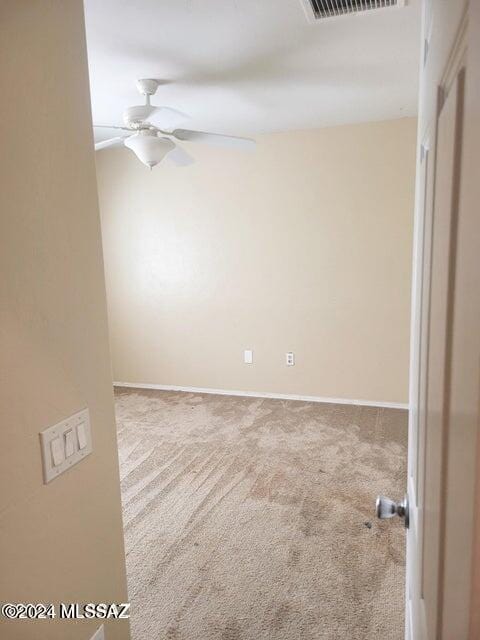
(148, 147)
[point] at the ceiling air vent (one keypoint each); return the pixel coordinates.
(319, 9)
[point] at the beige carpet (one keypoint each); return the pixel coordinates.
(252, 519)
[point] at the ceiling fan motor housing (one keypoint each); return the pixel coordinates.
(134, 116)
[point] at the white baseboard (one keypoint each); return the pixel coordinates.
(262, 394)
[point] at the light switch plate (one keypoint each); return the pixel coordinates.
(248, 356)
(58, 433)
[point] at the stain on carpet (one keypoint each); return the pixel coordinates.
(252, 519)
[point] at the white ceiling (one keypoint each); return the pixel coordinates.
(251, 66)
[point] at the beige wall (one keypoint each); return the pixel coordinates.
(303, 245)
(62, 541)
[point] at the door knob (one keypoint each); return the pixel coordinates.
(386, 508)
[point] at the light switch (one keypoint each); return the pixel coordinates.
(65, 444)
(248, 356)
(82, 436)
(69, 443)
(56, 447)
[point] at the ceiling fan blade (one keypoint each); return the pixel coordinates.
(109, 126)
(166, 117)
(180, 157)
(215, 139)
(112, 142)
(103, 132)
(169, 110)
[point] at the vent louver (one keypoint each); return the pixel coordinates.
(333, 8)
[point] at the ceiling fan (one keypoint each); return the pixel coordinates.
(151, 143)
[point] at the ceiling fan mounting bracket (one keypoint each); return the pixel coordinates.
(147, 86)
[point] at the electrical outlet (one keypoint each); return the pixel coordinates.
(248, 356)
(289, 358)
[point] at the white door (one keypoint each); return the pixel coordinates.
(444, 366)
(429, 438)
